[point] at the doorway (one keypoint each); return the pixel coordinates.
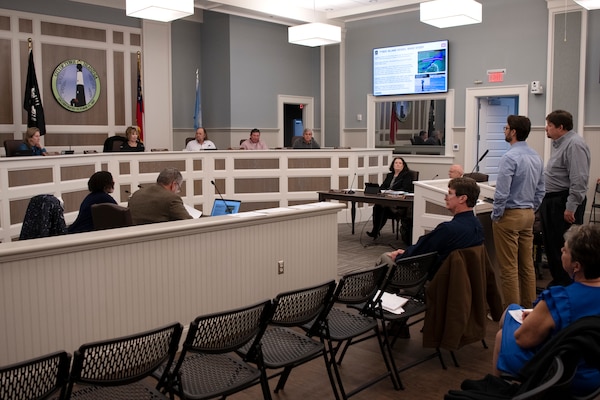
(293, 112)
(479, 134)
(492, 119)
(293, 122)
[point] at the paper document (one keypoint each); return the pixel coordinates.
(192, 211)
(392, 303)
(518, 314)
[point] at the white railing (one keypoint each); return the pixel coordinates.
(67, 174)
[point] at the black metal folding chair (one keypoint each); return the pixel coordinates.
(208, 366)
(284, 348)
(343, 325)
(38, 378)
(116, 368)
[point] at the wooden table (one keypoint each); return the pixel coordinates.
(361, 197)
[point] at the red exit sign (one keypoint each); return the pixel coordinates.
(496, 75)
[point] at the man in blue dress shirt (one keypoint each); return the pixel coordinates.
(519, 193)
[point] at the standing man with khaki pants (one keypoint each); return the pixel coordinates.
(519, 192)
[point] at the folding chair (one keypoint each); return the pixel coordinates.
(38, 378)
(284, 348)
(343, 326)
(208, 366)
(116, 368)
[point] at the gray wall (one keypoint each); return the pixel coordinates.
(187, 57)
(72, 9)
(592, 84)
(513, 35)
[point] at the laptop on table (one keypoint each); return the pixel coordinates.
(224, 207)
(372, 188)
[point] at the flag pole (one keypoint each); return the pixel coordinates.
(30, 43)
(139, 109)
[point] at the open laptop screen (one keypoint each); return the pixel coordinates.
(224, 207)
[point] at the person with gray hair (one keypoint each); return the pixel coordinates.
(159, 202)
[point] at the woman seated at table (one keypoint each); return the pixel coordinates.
(133, 140)
(556, 308)
(100, 185)
(399, 179)
(31, 142)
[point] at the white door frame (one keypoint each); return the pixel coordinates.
(308, 115)
(472, 114)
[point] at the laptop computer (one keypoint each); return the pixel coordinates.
(224, 207)
(372, 188)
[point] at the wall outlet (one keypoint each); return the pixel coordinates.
(280, 265)
(455, 147)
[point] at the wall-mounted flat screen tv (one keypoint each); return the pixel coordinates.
(411, 69)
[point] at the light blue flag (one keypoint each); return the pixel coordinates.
(197, 106)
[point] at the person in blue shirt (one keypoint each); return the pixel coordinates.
(100, 185)
(524, 332)
(519, 193)
(31, 142)
(464, 230)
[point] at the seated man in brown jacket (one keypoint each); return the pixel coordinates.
(159, 202)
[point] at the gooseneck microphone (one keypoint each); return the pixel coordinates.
(352, 185)
(228, 208)
(435, 177)
(476, 167)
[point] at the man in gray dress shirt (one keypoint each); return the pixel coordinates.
(567, 174)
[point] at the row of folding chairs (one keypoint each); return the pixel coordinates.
(229, 351)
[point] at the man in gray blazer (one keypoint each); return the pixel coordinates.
(159, 202)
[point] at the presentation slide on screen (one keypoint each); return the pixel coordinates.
(416, 68)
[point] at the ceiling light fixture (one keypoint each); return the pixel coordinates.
(448, 13)
(315, 33)
(159, 10)
(589, 4)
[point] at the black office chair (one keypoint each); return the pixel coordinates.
(402, 221)
(113, 143)
(595, 204)
(44, 217)
(108, 216)
(477, 176)
(12, 148)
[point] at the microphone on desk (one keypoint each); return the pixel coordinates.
(435, 177)
(476, 167)
(228, 208)
(352, 185)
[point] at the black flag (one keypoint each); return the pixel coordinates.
(33, 102)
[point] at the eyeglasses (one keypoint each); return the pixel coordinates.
(178, 186)
(507, 128)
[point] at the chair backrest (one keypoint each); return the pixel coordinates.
(12, 148)
(414, 175)
(44, 217)
(298, 307)
(38, 378)
(410, 273)
(189, 139)
(108, 216)
(358, 287)
(477, 176)
(125, 360)
(113, 143)
(227, 331)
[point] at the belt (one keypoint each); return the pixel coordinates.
(557, 194)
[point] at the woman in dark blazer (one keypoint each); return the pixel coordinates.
(399, 178)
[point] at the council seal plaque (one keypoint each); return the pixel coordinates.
(75, 85)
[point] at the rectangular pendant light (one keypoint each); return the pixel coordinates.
(448, 13)
(589, 4)
(314, 34)
(159, 10)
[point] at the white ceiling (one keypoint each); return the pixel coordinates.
(293, 12)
